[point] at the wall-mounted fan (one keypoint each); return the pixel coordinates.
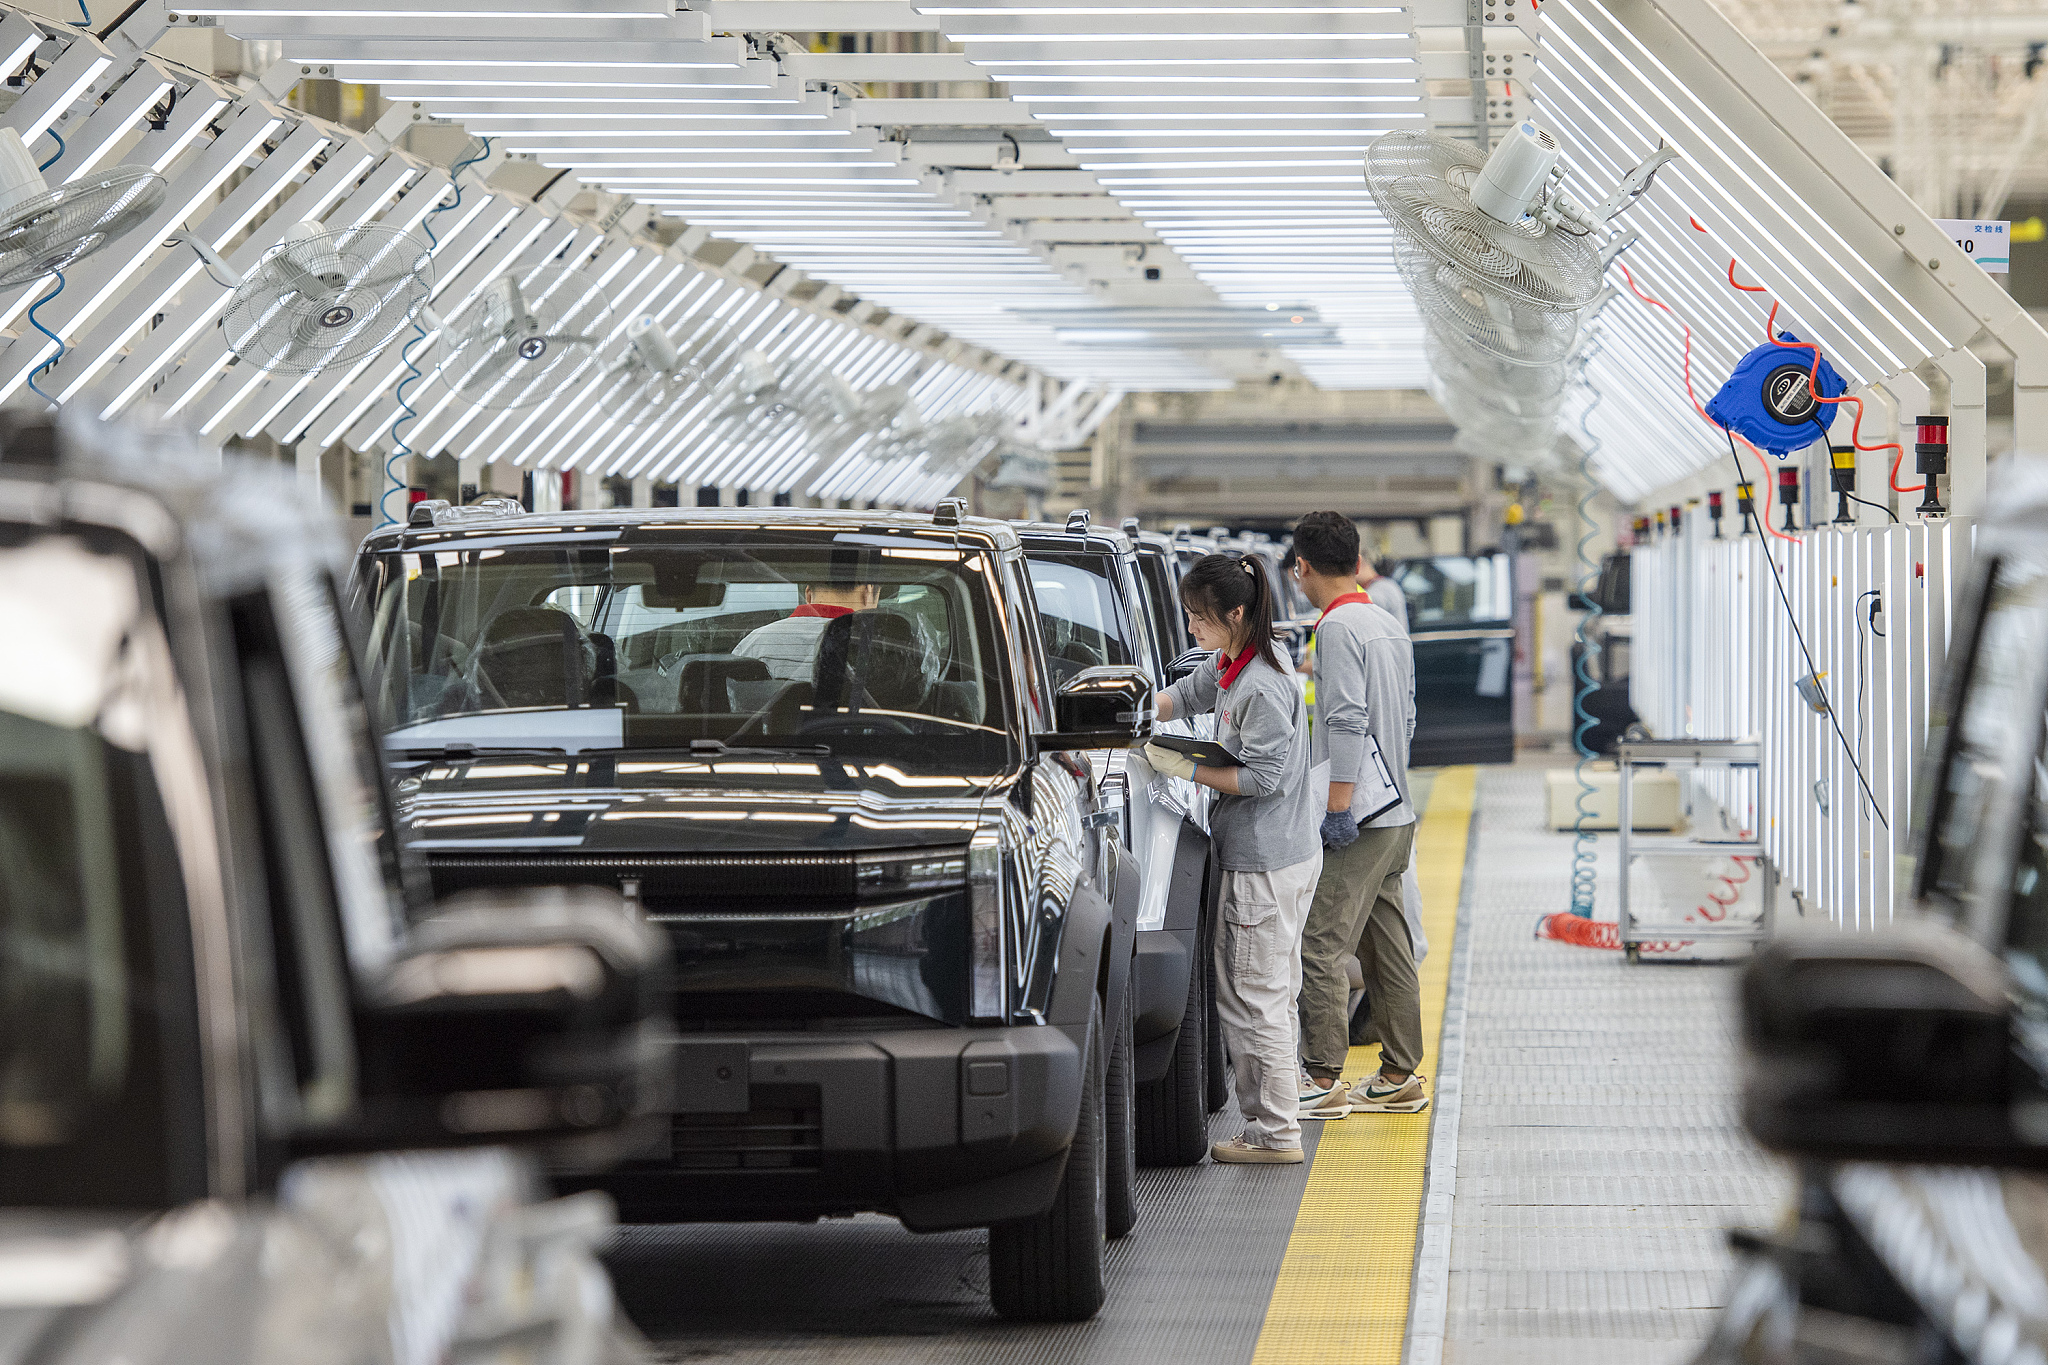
(45, 230)
(328, 296)
(1501, 220)
(651, 378)
(757, 394)
(524, 336)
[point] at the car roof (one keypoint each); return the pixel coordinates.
(1049, 535)
(996, 533)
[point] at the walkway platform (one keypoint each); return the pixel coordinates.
(1566, 1199)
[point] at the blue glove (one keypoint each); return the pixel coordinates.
(1339, 829)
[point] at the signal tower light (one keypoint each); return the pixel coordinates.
(1842, 478)
(1714, 510)
(1745, 503)
(1788, 492)
(1930, 457)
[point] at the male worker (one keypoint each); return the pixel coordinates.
(790, 646)
(1365, 718)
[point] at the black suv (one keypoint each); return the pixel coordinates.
(1100, 602)
(825, 751)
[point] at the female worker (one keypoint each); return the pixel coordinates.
(1264, 828)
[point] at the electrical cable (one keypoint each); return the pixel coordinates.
(1691, 397)
(58, 155)
(36, 323)
(406, 412)
(85, 17)
(1812, 668)
(1856, 427)
(1856, 611)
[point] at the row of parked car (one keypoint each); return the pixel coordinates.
(327, 886)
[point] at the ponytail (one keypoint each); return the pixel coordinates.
(1219, 584)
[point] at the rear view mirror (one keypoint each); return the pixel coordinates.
(515, 1015)
(1102, 708)
(683, 596)
(1843, 1028)
(1186, 664)
(675, 586)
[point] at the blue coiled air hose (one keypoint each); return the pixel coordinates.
(1585, 852)
(399, 449)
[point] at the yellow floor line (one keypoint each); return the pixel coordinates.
(1342, 1294)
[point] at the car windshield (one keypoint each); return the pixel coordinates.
(1456, 590)
(858, 644)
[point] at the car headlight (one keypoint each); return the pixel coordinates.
(988, 965)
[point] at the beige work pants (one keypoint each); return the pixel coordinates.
(1258, 975)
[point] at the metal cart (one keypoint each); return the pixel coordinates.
(1689, 753)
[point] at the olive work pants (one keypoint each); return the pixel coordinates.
(1357, 908)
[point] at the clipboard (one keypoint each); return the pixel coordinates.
(1206, 752)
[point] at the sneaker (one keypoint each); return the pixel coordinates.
(1238, 1152)
(1315, 1092)
(1374, 1096)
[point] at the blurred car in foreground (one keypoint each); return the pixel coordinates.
(250, 1102)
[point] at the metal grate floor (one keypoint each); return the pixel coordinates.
(1600, 1162)
(1189, 1285)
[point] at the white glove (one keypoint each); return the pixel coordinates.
(1170, 762)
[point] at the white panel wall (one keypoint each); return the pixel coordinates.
(1715, 656)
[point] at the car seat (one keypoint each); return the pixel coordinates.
(534, 656)
(704, 684)
(870, 658)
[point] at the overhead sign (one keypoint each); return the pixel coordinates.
(1989, 244)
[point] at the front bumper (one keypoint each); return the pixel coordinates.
(942, 1127)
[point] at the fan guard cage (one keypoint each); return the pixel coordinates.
(54, 230)
(1452, 303)
(639, 394)
(329, 299)
(1422, 183)
(500, 360)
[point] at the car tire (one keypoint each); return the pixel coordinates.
(1049, 1268)
(1120, 1111)
(1173, 1111)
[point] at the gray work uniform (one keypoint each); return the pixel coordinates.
(1365, 683)
(1266, 843)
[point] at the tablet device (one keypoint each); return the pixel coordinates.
(1206, 752)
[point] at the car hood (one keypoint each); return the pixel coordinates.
(731, 805)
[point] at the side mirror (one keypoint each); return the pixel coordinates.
(1102, 708)
(1185, 664)
(515, 1015)
(1841, 1028)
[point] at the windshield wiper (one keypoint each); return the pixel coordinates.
(718, 748)
(465, 752)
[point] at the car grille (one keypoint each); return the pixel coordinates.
(783, 1131)
(676, 878)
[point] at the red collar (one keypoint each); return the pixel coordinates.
(824, 609)
(1232, 667)
(1345, 599)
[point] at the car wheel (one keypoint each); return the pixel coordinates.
(1049, 1268)
(1173, 1111)
(1120, 1110)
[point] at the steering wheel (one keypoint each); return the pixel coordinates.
(861, 724)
